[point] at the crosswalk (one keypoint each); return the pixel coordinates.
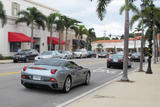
(106, 70)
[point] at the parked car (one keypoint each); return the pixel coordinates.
(80, 53)
(116, 60)
(67, 54)
(91, 54)
(103, 54)
(25, 55)
(47, 54)
(136, 57)
(58, 74)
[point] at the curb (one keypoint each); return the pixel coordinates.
(117, 77)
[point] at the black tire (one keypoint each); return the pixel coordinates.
(108, 66)
(87, 80)
(27, 86)
(14, 61)
(67, 85)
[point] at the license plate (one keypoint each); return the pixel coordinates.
(115, 60)
(36, 77)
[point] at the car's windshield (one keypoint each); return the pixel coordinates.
(78, 50)
(25, 51)
(103, 52)
(47, 53)
(117, 56)
(50, 62)
(136, 54)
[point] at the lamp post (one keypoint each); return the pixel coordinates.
(142, 39)
(149, 70)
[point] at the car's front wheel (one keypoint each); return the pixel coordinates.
(87, 81)
(67, 85)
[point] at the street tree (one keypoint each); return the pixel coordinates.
(33, 17)
(101, 11)
(3, 16)
(68, 23)
(50, 22)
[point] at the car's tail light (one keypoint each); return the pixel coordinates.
(25, 68)
(121, 60)
(23, 76)
(53, 71)
(53, 80)
(109, 59)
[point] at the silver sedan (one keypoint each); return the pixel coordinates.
(59, 74)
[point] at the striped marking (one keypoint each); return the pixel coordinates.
(9, 73)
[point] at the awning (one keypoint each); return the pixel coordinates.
(18, 37)
(55, 41)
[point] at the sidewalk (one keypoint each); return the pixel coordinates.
(5, 61)
(144, 91)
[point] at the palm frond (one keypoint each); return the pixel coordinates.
(122, 9)
(101, 8)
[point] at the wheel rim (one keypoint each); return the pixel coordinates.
(68, 84)
(88, 78)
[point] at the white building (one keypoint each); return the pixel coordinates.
(118, 45)
(12, 7)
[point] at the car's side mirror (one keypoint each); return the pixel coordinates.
(80, 67)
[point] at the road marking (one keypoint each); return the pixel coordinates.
(82, 63)
(9, 73)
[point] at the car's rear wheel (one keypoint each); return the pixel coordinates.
(67, 85)
(15, 61)
(28, 86)
(108, 66)
(87, 81)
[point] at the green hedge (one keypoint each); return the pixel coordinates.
(5, 57)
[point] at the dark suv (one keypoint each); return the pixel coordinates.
(25, 55)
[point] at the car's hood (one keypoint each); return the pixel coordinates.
(44, 56)
(77, 52)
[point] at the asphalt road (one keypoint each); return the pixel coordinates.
(13, 94)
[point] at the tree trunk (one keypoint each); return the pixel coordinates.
(156, 49)
(32, 35)
(59, 42)
(154, 44)
(50, 42)
(126, 38)
(66, 45)
(142, 49)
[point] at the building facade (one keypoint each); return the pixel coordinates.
(118, 45)
(12, 7)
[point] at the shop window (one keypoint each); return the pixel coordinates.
(14, 46)
(15, 8)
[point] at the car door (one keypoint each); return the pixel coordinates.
(75, 77)
(80, 72)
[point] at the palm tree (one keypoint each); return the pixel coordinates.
(101, 10)
(2, 15)
(32, 17)
(79, 31)
(60, 28)
(50, 21)
(91, 35)
(146, 17)
(68, 23)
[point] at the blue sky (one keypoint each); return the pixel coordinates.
(85, 11)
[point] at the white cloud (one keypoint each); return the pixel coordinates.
(113, 28)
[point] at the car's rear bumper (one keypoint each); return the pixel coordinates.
(115, 64)
(42, 84)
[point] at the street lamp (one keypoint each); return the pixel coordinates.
(149, 70)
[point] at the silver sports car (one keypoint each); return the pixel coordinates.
(59, 74)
